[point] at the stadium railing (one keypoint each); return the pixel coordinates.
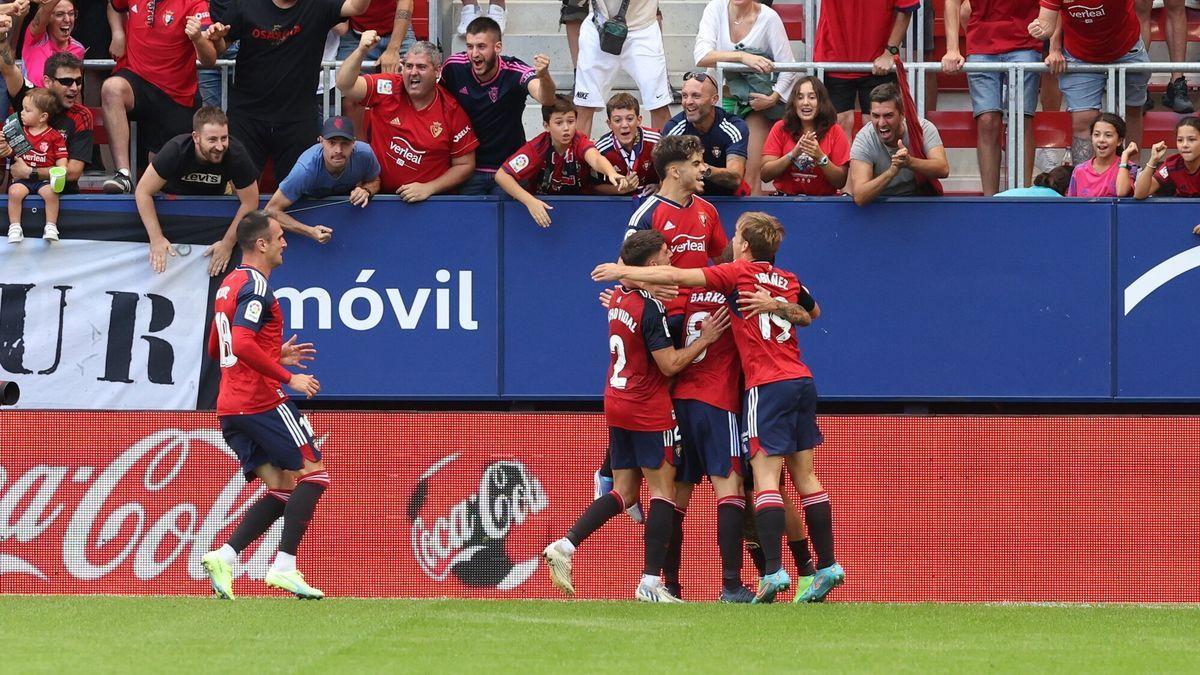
(1114, 91)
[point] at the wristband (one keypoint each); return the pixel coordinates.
(824, 161)
(1123, 165)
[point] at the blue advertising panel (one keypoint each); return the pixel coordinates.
(1157, 286)
(952, 298)
(402, 302)
(555, 331)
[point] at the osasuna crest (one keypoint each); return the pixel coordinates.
(436, 129)
(494, 94)
(168, 17)
(704, 220)
(716, 152)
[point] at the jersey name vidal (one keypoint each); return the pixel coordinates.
(637, 395)
(246, 300)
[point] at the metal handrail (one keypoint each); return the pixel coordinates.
(1014, 160)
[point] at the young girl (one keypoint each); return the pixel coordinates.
(807, 152)
(1103, 175)
(1180, 173)
(48, 149)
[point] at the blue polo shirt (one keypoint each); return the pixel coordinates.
(309, 179)
(727, 136)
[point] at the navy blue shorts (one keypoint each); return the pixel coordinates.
(280, 436)
(781, 417)
(712, 444)
(641, 449)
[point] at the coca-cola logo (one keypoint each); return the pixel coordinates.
(140, 513)
(469, 538)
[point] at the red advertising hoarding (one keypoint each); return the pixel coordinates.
(1097, 509)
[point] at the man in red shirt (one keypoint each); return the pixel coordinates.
(996, 33)
(1099, 31)
(421, 136)
(851, 31)
(155, 81)
(641, 420)
(272, 439)
(780, 402)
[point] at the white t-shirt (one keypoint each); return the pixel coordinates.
(641, 13)
(768, 34)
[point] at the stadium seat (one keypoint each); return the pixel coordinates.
(1052, 129)
(792, 14)
(956, 127)
(1159, 125)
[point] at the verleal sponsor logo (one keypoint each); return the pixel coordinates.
(483, 538)
(404, 153)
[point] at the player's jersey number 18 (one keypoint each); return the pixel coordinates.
(225, 340)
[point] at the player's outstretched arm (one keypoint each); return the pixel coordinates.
(655, 274)
(247, 351)
(276, 209)
(671, 361)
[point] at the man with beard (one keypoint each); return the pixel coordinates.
(199, 163)
(421, 136)
(880, 163)
(492, 88)
(337, 165)
(722, 135)
(64, 79)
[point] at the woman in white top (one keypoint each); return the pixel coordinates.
(726, 25)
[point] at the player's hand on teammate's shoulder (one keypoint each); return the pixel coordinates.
(606, 294)
(320, 233)
(662, 292)
(159, 250)
(293, 354)
(220, 252)
(715, 325)
(759, 302)
(1196, 229)
(540, 212)
(305, 384)
(608, 272)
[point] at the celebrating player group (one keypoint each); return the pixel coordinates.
(673, 434)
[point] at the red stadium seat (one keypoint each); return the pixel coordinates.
(792, 14)
(1052, 129)
(99, 132)
(956, 127)
(1159, 125)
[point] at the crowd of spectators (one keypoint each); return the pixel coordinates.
(434, 125)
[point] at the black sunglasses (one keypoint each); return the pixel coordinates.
(699, 76)
(68, 81)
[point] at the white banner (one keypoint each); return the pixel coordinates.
(87, 324)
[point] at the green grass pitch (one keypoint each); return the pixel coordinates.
(111, 634)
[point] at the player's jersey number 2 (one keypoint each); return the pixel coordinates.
(616, 347)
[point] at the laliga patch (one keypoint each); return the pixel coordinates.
(383, 87)
(519, 162)
(253, 311)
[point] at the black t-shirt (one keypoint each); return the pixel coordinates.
(91, 28)
(279, 61)
(177, 164)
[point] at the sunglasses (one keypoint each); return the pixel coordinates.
(68, 81)
(699, 76)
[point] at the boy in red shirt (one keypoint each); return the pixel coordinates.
(47, 149)
(553, 163)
